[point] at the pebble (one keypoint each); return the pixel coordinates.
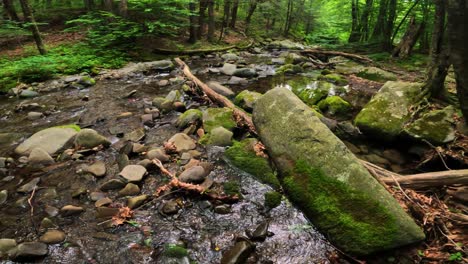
(51, 210)
(122, 161)
(6, 244)
(130, 189)
(39, 156)
(146, 163)
(182, 142)
(46, 223)
(34, 115)
(139, 148)
(222, 209)
(193, 175)
(98, 169)
(29, 250)
(69, 210)
(95, 196)
(158, 153)
(106, 212)
(170, 207)
(133, 173)
(239, 253)
(28, 187)
(3, 196)
(53, 237)
(103, 202)
(112, 184)
(135, 202)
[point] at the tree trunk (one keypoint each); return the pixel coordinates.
(355, 34)
(235, 7)
(377, 35)
(193, 26)
(403, 50)
(227, 9)
(250, 12)
(439, 54)
(287, 24)
(388, 29)
(10, 10)
(201, 18)
(108, 5)
(457, 22)
(28, 16)
(404, 18)
(123, 8)
(365, 20)
(211, 21)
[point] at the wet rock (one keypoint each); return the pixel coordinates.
(51, 210)
(3, 196)
(28, 94)
(219, 136)
(158, 101)
(285, 44)
(335, 105)
(98, 168)
(376, 74)
(136, 135)
(182, 142)
(129, 190)
(228, 69)
(133, 173)
(221, 89)
(170, 207)
(146, 163)
(122, 161)
(294, 58)
(113, 184)
(53, 237)
(260, 233)
(39, 156)
(216, 117)
(103, 202)
(135, 202)
(86, 81)
(245, 73)
(435, 126)
(193, 175)
(89, 138)
(69, 210)
(28, 187)
(192, 116)
(46, 223)
(239, 253)
(139, 148)
(387, 112)
(230, 57)
(35, 115)
(394, 156)
(278, 61)
(6, 244)
(222, 209)
(95, 196)
(147, 120)
(173, 96)
(47, 194)
(52, 140)
(347, 190)
(246, 99)
(106, 212)
(163, 83)
(28, 250)
(159, 154)
(334, 78)
(234, 80)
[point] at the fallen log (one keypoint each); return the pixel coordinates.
(430, 179)
(199, 51)
(337, 53)
(242, 118)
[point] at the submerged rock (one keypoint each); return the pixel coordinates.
(435, 126)
(28, 250)
(98, 168)
(388, 111)
(219, 88)
(245, 73)
(89, 138)
(327, 181)
(52, 140)
(28, 187)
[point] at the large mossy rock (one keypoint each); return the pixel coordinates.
(52, 140)
(327, 181)
(376, 74)
(388, 111)
(436, 126)
(218, 117)
(246, 99)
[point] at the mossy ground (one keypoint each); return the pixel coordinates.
(272, 199)
(334, 78)
(175, 251)
(232, 188)
(289, 69)
(334, 105)
(349, 218)
(242, 155)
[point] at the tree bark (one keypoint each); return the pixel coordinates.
(123, 8)
(365, 20)
(457, 28)
(287, 24)
(108, 5)
(201, 18)
(403, 50)
(377, 34)
(235, 7)
(439, 54)
(430, 179)
(388, 29)
(355, 34)
(10, 10)
(193, 26)
(211, 21)
(227, 9)
(337, 53)
(404, 18)
(28, 16)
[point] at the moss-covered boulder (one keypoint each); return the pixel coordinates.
(218, 136)
(436, 126)
(312, 93)
(327, 181)
(376, 74)
(388, 111)
(289, 69)
(242, 154)
(246, 99)
(334, 78)
(218, 117)
(334, 105)
(191, 116)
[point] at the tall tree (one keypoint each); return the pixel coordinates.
(211, 21)
(378, 32)
(235, 7)
(364, 24)
(355, 32)
(288, 21)
(193, 22)
(227, 9)
(389, 24)
(10, 10)
(201, 17)
(123, 8)
(28, 16)
(457, 22)
(250, 12)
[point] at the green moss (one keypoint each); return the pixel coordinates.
(347, 216)
(190, 116)
(75, 127)
(246, 99)
(272, 199)
(216, 117)
(289, 69)
(334, 78)
(175, 251)
(334, 105)
(232, 188)
(243, 156)
(376, 74)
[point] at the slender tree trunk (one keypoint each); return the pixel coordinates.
(377, 35)
(365, 20)
(211, 21)
(387, 40)
(108, 5)
(404, 18)
(404, 48)
(355, 34)
(439, 54)
(28, 16)
(193, 26)
(10, 10)
(457, 22)
(201, 18)
(250, 12)
(123, 8)
(287, 24)
(227, 9)
(235, 7)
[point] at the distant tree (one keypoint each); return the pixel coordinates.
(28, 16)
(235, 7)
(10, 10)
(211, 20)
(193, 23)
(123, 8)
